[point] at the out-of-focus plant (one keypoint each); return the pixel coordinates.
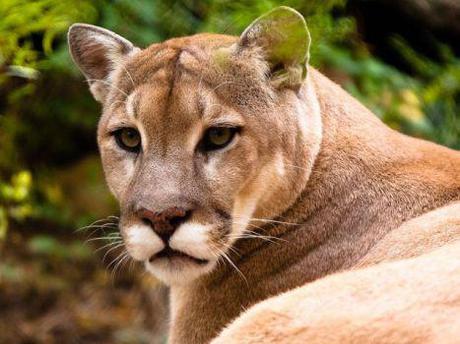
(439, 91)
(22, 19)
(425, 103)
(27, 33)
(392, 95)
(15, 200)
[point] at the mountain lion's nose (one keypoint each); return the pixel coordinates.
(164, 223)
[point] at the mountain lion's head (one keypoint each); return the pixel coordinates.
(201, 137)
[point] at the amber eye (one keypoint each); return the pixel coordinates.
(128, 139)
(218, 137)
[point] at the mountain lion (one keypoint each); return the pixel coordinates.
(242, 173)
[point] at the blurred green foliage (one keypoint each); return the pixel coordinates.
(48, 119)
(23, 19)
(14, 197)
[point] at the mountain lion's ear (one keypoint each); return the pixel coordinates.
(97, 52)
(283, 36)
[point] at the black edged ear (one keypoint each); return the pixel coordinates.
(283, 36)
(97, 52)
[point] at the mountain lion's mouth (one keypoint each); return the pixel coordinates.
(170, 254)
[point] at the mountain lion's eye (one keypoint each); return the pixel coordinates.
(218, 137)
(128, 139)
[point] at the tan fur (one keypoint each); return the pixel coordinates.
(326, 182)
(416, 236)
(408, 301)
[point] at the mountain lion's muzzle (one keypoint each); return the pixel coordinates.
(164, 223)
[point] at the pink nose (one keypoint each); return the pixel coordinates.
(164, 223)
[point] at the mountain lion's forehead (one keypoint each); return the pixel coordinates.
(197, 64)
(179, 55)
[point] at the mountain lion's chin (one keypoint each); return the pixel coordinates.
(174, 268)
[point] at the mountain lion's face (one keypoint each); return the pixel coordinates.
(199, 140)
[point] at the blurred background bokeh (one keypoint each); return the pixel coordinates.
(63, 285)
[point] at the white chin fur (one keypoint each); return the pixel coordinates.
(177, 273)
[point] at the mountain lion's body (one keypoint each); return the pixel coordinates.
(366, 182)
(241, 176)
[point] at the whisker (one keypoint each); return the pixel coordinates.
(249, 236)
(111, 249)
(256, 233)
(124, 258)
(266, 236)
(118, 260)
(113, 261)
(245, 235)
(130, 77)
(99, 228)
(97, 222)
(109, 84)
(131, 266)
(248, 224)
(227, 258)
(231, 248)
(108, 245)
(213, 249)
(275, 221)
(235, 267)
(108, 237)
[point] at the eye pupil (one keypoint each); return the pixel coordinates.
(218, 137)
(128, 139)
